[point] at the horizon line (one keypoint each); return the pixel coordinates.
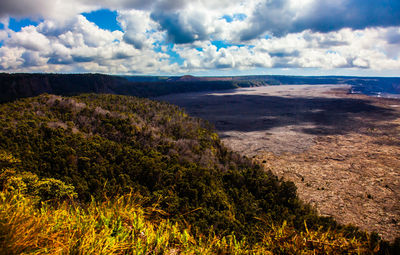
(196, 76)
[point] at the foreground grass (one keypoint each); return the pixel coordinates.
(123, 226)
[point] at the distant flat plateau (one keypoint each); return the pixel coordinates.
(341, 150)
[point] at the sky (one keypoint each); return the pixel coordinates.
(201, 37)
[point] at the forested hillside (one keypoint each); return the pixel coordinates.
(101, 147)
(108, 145)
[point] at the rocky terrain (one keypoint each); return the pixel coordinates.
(341, 150)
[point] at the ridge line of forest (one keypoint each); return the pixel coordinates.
(21, 85)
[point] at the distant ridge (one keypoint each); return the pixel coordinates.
(20, 85)
(191, 78)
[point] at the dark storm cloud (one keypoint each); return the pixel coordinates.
(223, 65)
(180, 29)
(31, 59)
(52, 8)
(272, 16)
(277, 18)
(121, 55)
(60, 60)
(133, 40)
(356, 14)
(22, 8)
(393, 36)
(170, 5)
(282, 54)
(83, 59)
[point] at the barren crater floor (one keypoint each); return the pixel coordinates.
(341, 150)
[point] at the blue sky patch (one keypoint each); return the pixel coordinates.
(104, 19)
(239, 16)
(236, 16)
(228, 18)
(224, 44)
(331, 52)
(17, 24)
(1, 27)
(173, 56)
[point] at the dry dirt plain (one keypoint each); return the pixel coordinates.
(342, 151)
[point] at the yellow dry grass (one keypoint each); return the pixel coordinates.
(122, 226)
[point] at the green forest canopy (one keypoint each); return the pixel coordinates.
(108, 145)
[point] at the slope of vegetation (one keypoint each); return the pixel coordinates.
(95, 149)
(40, 216)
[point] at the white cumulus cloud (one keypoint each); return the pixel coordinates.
(178, 36)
